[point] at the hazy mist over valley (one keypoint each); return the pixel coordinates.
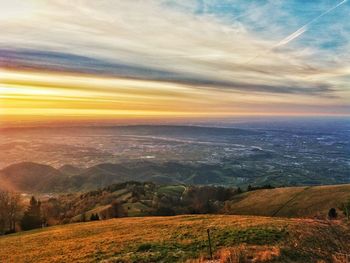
(304, 151)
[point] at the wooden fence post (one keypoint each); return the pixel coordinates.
(209, 241)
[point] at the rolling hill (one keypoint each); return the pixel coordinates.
(33, 177)
(305, 201)
(29, 176)
(290, 201)
(147, 199)
(181, 239)
(39, 178)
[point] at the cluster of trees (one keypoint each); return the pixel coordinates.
(15, 215)
(113, 211)
(253, 188)
(32, 217)
(194, 200)
(122, 199)
(94, 217)
(118, 201)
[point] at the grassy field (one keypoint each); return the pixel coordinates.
(180, 239)
(291, 201)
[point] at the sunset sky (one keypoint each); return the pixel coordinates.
(123, 59)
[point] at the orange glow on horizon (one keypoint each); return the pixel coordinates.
(30, 95)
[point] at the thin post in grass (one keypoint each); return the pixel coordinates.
(209, 241)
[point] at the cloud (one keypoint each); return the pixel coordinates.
(175, 42)
(61, 62)
(298, 32)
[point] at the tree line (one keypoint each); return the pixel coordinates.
(18, 213)
(15, 215)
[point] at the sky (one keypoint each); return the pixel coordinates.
(139, 59)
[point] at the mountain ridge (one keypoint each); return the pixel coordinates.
(42, 178)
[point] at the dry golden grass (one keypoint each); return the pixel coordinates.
(179, 238)
(291, 201)
(245, 253)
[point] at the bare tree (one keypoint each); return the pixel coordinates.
(3, 211)
(10, 211)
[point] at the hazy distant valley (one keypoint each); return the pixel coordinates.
(82, 158)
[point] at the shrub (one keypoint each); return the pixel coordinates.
(332, 213)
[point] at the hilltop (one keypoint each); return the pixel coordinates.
(180, 238)
(305, 201)
(29, 176)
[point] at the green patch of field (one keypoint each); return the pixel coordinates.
(168, 251)
(184, 245)
(136, 209)
(171, 190)
(124, 197)
(120, 192)
(252, 236)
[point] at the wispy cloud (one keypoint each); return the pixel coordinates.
(201, 45)
(298, 32)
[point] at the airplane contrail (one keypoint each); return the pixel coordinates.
(305, 27)
(300, 31)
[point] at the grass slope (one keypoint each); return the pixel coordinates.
(290, 201)
(177, 239)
